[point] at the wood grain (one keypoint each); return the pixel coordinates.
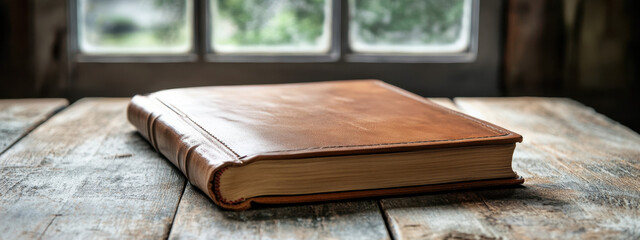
(581, 168)
(19, 116)
(581, 173)
(86, 173)
(198, 217)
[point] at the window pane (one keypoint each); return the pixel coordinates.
(407, 26)
(134, 26)
(271, 26)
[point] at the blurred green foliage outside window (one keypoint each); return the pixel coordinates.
(273, 26)
(436, 26)
(135, 26)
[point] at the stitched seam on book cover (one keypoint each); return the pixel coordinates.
(184, 116)
(387, 144)
(476, 122)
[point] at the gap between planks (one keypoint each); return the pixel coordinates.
(21, 110)
(63, 180)
(445, 102)
(175, 213)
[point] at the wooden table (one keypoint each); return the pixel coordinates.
(84, 172)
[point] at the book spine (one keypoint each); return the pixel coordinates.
(197, 157)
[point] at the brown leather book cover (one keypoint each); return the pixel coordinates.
(205, 130)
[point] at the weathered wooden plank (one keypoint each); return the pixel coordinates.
(581, 169)
(198, 217)
(581, 173)
(19, 116)
(86, 173)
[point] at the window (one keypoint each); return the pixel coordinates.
(147, 45)
(135, 26)
(275, 27)
(409, 27)
(279, 30)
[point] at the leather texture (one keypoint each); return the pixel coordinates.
(204, 130)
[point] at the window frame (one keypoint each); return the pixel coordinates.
(76, 53)
(459, 57)
(332, 55)
(125, 77)
(340, 49)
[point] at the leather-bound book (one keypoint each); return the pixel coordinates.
(308, 142)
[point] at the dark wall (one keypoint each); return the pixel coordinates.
(583, 49)
(15, 50)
